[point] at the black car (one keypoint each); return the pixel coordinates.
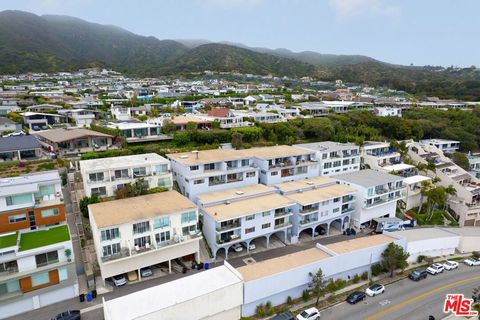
(418, 274)
(355, 297)
(283, 316)
(68, 315)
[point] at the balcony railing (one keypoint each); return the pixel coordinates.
(346, 210)
(307, 221)
(283, 225)
(216, 182)
(348, 198)
(282, 213)
(307, 210)
(9, 270)
(229, 226)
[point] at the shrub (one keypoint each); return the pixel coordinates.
(421, 258)
(429, 260)
(85, 202)
(260, 310)
(356, 278)
(289, 300)
(364, 275)
(476, 254)
(377, 269)
(305, 295)
(47, 166)
(268, 308)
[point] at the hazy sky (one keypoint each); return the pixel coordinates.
(435, 32)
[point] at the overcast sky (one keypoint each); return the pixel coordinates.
(433, 32)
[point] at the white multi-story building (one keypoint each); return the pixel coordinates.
(215, 170)
(82, 117)
(102, 177)
(388, 112)
(37, 265)
(413, 187)
(130, 234)
(335, 158)
(320, 203)
(474, 162)
(446, 146)
(377, 195)
(242, 215)
(137, 131)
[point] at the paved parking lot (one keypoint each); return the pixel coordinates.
(260, 246)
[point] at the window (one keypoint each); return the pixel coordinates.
(190, 229)
(198, 181)
(324, 155)
(139, 172)
(46, 258)
(100, 191)
(62, 274)
(19, 199)
(162, 168)
(250, 217)
(17, 218)
(337, 163)
(109, 234)
(10, 266)
(9, 286)
(370, 191)
(162, 237)
(209, 166)
(142, 241)
(324, 203)
(327, 165)
(249, 230)
(336, 210)
(266, 213)
(123, 173)
(98, 176)
(110, 249)
(346, 162)
(274, 173)
(40, 279)
(165, 183)
(245, 162)
(323, 213)
(49, 213)
(189, 217)
(266, 225)
(193, 168)
(251, 174)
(336, 200)
(161, 222)
(141, 227)
(45, 190)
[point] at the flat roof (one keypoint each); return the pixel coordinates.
(153, 299)
(121, 162)
(304, 183)
(368, 178)
(327, 146)
(245, 207)
(117, 212)
(27, 183)
(398, 167)
(360, 243)
(235, 193)
(217, 155)
(284, 263)
(416, 179)
(320, 194)
(62, 134)
(464, 231)
(425, 234)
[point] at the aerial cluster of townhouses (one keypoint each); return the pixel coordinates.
(226, 200)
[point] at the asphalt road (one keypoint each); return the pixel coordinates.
(407, 299)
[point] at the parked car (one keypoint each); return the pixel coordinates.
(418, 274)
(375, 290)
(472, 262)
(476, 297)
(251, 246)
(450, 265)
(309, 314)
(68, 315)
(284, 316)
(237, 247)
(435, 268)
(119, 280)
(355, 297)
(146, 272)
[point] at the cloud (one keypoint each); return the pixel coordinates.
(369, 7)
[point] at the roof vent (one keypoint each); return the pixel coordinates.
(310, 183)
(227, 202)
(184, 157)
(195, 152)
(239, 192)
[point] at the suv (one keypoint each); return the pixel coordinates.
(450, 265)
(309, 314)
(119, 280)
(68, 315)
(418, 274)
(355, 297)
(435, 268)
(472, 262)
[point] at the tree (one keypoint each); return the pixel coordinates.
(237, 141)
(317, 285)
(84, 202)
(394, 257)
(134, 189)
(191, 126)
(461, 160)
(169, 127)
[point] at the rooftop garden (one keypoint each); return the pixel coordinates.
(8, 240)
(17, 168)
(41, 238)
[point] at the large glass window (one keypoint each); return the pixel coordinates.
(109, 234)
(141, 227)
(10, 266)
(46, 258)
(189, 230)
(40, 279)
(142, 241)
(165, 183)
(110, 249)
(123, 173)
(45, 190)
(100, 191)
(49, 213)
(98, 176)
(62, 274)
(189, 217)
(9, 286)
(162, 237)
(161, 222)
(19, 199)
(139, 172)
(162, 168)
(17, 218)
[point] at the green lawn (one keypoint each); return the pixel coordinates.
(8, 241)
(36, 239)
